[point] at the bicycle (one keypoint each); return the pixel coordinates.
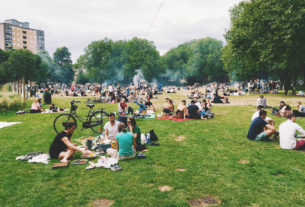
(94, 119)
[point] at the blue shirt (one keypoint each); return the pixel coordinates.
(256, 127)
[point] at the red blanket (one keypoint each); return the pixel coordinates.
(172, 118)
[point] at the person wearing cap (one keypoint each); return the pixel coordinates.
(288, 130)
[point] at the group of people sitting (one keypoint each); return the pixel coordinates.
(36, 107)
(263, 127)
(146, 107)
(195, 110)
(127, 139)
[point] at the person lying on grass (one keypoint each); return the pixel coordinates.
(124, 142)
(62, 146)
(260, 130)
(267, 119)
(288, 130)
(135, 130)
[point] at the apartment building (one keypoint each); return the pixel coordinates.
(19, 35)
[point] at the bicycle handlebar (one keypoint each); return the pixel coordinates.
(73, 101)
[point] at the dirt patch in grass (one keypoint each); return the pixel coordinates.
(165, 188)
(180, 138)
(102, 203)
(244, 161)
(180, 170)
(204, 201)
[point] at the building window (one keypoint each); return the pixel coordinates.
(24, 32)
(24, 42)
(24, 47)
(24, 37)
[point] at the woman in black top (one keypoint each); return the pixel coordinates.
(62, 146)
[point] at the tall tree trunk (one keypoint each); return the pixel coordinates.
(23, 89)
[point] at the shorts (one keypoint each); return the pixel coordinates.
(261, 137)
(167, 111)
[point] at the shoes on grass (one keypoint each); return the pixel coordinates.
(115, 167)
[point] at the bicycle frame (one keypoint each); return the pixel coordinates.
(74, 114)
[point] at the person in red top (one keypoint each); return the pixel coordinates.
(122, 107)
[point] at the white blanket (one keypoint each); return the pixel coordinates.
(6, 124)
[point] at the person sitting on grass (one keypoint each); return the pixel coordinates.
(149, 105)
(283, 109)
(267, 119)
(142, 107)
(288, 130)
(168, 107)
(62, 146)
(135, 130)
(35, 108)
(259, 129)
(205, 108)
(182, 110)
(193, 110)
(261, 101)
(122, 107)
(300, 112)
(111, 127)
(124, 142)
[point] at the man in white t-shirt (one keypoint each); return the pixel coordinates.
(288, 131)
(111, 127)
(267, 119)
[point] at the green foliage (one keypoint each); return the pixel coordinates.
(106, 60)
(196, 61)
(266, 37)
(14, 103)
(62, 59)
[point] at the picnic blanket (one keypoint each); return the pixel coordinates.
(173, 118)
(6, 124)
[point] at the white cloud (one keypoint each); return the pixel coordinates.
(76, 23)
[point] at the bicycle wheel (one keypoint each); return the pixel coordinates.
(96, 121)
(57, 124)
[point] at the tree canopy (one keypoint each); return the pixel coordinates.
(196, 61)
(266, 38)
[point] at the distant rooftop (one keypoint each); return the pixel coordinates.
(17, 23)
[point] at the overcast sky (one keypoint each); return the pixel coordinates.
(76, 23)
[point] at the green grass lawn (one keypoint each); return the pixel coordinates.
(210, 154)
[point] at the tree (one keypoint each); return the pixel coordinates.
(196, 61)
(25, 66)
(142, 54)
(62, 58)
(267, 37)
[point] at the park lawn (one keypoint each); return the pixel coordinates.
(210, 154)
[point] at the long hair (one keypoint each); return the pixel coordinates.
(132, 121)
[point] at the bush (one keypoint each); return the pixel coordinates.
(12, 104)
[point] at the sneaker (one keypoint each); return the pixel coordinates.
(115, 167)
(141, 156)
(154, 144)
